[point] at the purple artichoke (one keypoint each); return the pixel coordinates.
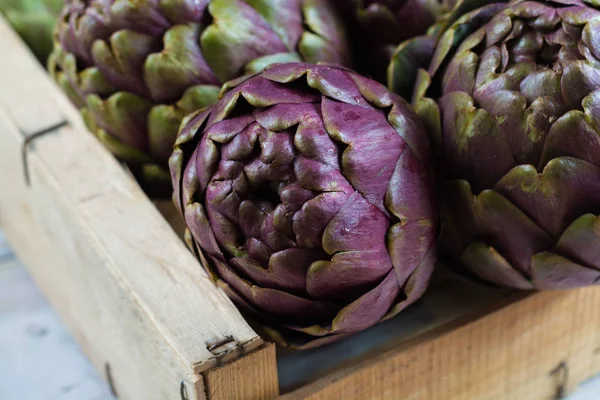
(136, 68)
(380, 25)
(512, 99)
(307, 193)
(389, 22)
(416, 51)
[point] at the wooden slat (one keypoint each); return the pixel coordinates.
(512, 353)
(241, 380)
(449, 298)
(132, 294)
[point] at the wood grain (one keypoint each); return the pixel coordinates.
(510, 353)
(241, 380)
(450, 298)
(127, 287)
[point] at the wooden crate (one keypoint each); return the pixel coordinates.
(155, 326)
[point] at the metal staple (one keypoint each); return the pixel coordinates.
(30, 138)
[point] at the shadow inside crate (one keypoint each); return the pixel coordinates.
(450, 301)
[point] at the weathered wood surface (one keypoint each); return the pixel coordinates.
(449, 298)
(136, 300)
(535, 349)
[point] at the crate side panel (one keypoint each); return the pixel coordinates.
(241, 380)
(449, 298)
(144, 249)
(516, 352)
(83, 211)
(129, 233)
(100, 311)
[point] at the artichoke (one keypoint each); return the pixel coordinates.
(307, 192)
(389, 22)
(416, 52)
(380, 25)
(512, 101)
(136, 68)
(33, 20)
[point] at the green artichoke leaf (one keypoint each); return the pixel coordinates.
(314, 48)
(459, 218)
(164, 120)
(452, 37)
(591, 105)
(554, 271)
(54, 6)
(116, 147)
(427, 109)
(163, 123)
(91, 80)
(462, 7)
(198, 97)
(408, 58)
(124, 114)
(472, 134)
(325, 23)
(283, 17)
(180, 65)
(237, 35)
(374, 93)
(179, 11)
(322, 19)
(578, 241)
(259, 64)
(488, 264)
(560, 140)
(68, 64)
(63, 82)
(122, 58)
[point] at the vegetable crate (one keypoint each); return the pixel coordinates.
(155, 326)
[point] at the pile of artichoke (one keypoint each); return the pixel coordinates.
(136, 68)
(325, 153)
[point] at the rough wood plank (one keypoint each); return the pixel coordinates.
(127, 287)
(449, 298)
(241, 380)
(510, 353)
